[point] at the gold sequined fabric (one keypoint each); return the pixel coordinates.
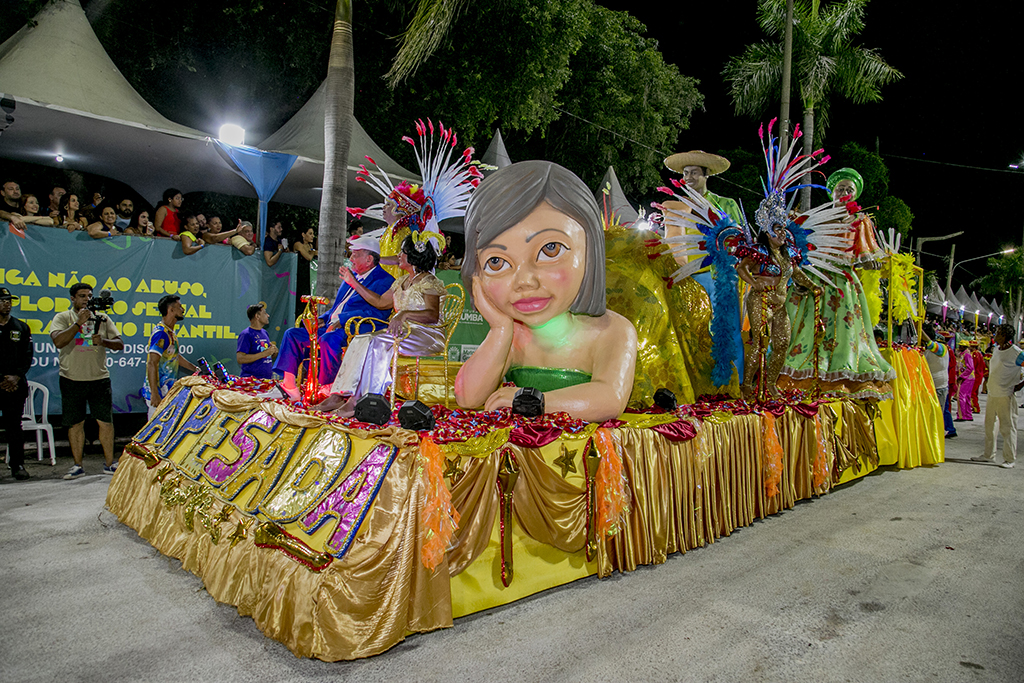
(672, 323)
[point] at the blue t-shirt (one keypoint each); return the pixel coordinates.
(165, 344)
(256, 341)
(270, 244)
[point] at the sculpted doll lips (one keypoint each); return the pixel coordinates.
(531, 305)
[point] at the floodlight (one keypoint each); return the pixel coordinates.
(232, 134)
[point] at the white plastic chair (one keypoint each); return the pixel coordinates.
(29, 421)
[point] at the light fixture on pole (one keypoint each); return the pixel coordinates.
(952, 266)
(920, 241)
(232, 134)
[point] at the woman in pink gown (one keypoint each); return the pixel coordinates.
(966, 368)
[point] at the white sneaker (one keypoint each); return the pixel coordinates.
(1007, 465)
(981, 458)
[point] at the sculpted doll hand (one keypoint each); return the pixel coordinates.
(502, 398)
(483, 304)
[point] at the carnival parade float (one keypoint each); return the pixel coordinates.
(603, 423)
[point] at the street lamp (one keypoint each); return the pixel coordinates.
(952, 266)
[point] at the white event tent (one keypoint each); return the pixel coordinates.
(70, 99)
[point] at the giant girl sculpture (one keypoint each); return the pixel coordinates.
(535, 257)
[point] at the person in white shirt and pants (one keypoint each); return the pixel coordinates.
(1003, 382)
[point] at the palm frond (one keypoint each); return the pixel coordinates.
(755, 77)
(423, 36)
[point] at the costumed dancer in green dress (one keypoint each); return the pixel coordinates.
(847, 361)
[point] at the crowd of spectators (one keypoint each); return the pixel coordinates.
(171, 219)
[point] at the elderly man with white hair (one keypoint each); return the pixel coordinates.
(347, 304)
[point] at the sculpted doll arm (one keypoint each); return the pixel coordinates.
(482, 373)
(605, 396)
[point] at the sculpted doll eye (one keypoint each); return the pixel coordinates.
(495, 264)
(551, 250)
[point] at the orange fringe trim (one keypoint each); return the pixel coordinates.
(438, 520)
(613, 495)
(772, 455)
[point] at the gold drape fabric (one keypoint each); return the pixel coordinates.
(684, 494)
(358, 606)
(910, 430)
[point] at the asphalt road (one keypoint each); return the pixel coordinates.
(900, 576)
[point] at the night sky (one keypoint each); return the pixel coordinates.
(959, 102)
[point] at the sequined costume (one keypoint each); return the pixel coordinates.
(847, 362)
(769, 320)
(366, 367)
(966, 369)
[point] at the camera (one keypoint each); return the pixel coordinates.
(103, 302)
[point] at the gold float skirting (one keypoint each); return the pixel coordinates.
(682, 495)
(356, 607)
(909, 431)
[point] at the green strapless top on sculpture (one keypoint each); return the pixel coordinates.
(546, 379)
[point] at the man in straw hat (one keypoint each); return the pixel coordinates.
(696, 166)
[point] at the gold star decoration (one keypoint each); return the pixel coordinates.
(567, 461)
(452, 471)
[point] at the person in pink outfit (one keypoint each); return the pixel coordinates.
(966, 369)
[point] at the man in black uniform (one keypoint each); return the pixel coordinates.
(15, 359)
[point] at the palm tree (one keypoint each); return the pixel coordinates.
(340, 86)
(826, 62)
(428, 27)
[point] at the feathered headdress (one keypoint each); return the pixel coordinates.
(444, 192)
(817, 236)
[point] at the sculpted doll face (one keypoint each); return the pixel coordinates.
(533, 271)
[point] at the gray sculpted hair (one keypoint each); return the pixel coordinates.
(508, 196)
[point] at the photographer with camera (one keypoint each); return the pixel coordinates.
(82, 337)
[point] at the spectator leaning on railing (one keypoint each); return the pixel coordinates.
(190, 232)
(105, 225)
(69, 215)
(10, 209)
(30, 211)
(243, 241)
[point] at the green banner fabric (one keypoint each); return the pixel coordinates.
(215, 285)
(472, 327)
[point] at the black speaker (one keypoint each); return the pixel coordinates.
(665, 399)
(528, 402)
(373, 408)
(416, 416)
